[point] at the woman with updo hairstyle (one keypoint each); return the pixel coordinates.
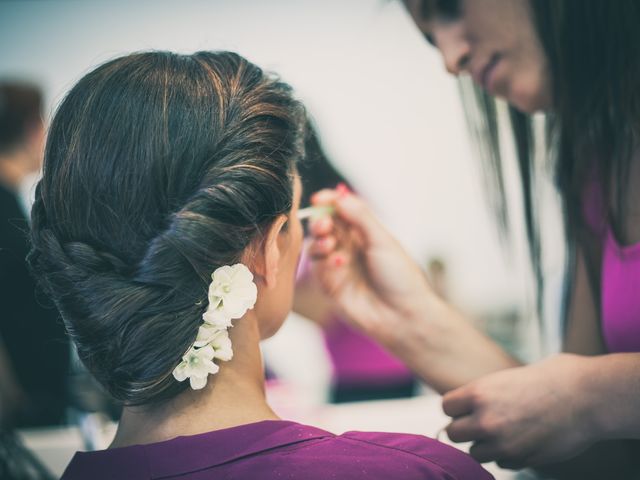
(165, 229)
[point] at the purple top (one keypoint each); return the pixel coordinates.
(356, 359)
(359, 361)
(619, 282)
(277, 449)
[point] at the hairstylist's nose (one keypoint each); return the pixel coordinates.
(454, 47)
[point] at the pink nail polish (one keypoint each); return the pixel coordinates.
(342, 189)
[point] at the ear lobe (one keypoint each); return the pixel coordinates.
(268, 261)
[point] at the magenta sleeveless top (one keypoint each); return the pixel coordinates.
(619, 281)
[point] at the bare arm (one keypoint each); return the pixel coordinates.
(446, 350)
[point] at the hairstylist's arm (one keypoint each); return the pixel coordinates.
(548, 412)
(554, 410)
(382, 291)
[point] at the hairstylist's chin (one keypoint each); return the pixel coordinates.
(529, 96)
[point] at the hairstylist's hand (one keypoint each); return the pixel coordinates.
(524, 417)
(366, 271)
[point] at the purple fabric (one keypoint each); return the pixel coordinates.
(280, 450)
(620, 279)
(621, 295)
(355, 358)
(358, 360)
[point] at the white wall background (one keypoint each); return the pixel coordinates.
(389, 115)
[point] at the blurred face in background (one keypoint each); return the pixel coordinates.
(35, 145)
(22, 132)
(494, 41)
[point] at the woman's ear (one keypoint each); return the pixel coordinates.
(267, 260)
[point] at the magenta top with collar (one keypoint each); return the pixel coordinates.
(619, 281)
(271, 450)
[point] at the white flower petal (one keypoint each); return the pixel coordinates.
(241, 274)
(214, 301)
(217, 318)
(205, 333)
(197, 383)
(180, 373)
(210, 367)
(221, 343)
(224, 353)
(247, 291)
(234, 307)
(205, 352)
(220, 338)
(222, 275)
(203, 367)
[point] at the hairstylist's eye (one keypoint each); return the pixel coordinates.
(439, 10)
(448, 10)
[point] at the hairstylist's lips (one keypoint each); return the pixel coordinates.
(484, 76)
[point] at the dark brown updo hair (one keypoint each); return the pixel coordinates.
(159, 168)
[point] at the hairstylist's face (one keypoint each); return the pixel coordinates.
(495, 41)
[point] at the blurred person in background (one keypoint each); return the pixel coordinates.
(34, 350)
(361, 368)
(575, 414)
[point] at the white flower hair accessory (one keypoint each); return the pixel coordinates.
(231, 293)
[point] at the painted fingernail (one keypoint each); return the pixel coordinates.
(339, 261)
(342, 189)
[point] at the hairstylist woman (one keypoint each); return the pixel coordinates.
(578, 61)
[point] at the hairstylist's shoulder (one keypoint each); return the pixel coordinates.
(438, 457)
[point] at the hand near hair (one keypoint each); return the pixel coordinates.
(366, 271)
(381, 290)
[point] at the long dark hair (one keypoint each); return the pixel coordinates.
(593, 50)
(317, 171)
(158, 169)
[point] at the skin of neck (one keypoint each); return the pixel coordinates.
(233, 396)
